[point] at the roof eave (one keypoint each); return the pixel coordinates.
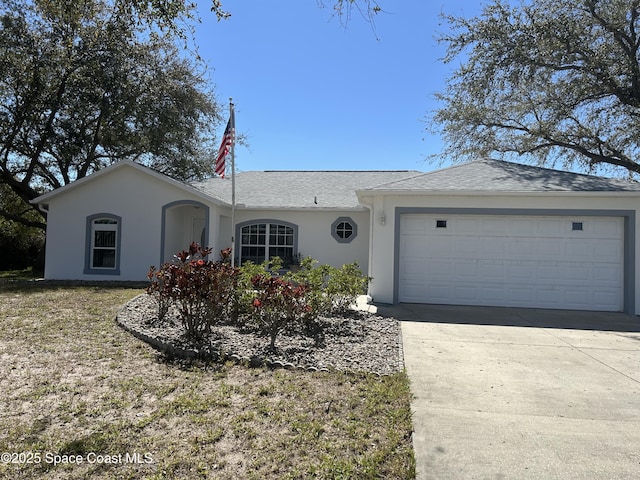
(302, 209)
(46, 197)
(475, 193)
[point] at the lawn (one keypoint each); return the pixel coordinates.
(81, 398)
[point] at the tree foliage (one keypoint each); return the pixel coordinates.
(21, 235)
(88, 83)
(556, 81)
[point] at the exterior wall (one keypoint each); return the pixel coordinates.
(314, 234)
(129, 193)
(223, 237)
(383, 247)
(158, 218)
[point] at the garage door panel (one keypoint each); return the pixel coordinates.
(520, 247)
(549, 248)
(550, 297)
(551, 227)
(607, 275)
(576, 274)
(440, 292)
(414, 224)
(577, 249)
(415, 267)
(513, 261)
(463, 247)
(606, 298)
(519, 296)
(413, 246)
(493, 247)
(464, 291)
(492, 270)
(610, 251)
(464, 226)
(605, 228)
(438, 247)
(549, 272)
(522, 270)
(465, 268)
(439, 268)
(521, 228)
(574, 298)
(494, 226)
(491, 293)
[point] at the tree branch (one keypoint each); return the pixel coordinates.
(22, 220)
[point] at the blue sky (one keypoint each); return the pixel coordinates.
(311, 94)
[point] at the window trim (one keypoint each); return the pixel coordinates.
(266, 221)
(334, 229)
(88, 267)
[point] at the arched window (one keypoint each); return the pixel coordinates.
(103, 244)
(264, 239)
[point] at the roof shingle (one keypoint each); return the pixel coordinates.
(489, 175)
(299, 189)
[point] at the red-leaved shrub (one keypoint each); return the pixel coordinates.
(277, 305)
(201, 289)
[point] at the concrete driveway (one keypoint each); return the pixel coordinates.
(503, 393)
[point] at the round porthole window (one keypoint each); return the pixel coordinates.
(344, 230)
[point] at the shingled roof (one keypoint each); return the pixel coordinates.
(299, 189)
(489, 175)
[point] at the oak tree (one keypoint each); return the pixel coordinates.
(88, 83)
(554, 81)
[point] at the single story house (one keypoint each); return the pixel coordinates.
(481, 233)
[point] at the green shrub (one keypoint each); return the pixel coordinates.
(331, 289)
(315, 278)
(344, 285)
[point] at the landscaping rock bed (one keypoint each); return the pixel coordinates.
(357, 341)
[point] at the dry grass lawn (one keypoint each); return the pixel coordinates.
(77, 390)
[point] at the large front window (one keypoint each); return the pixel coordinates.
(263, 241)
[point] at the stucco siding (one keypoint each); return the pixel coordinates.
(134, 196)
(151, 234)
(314, 234)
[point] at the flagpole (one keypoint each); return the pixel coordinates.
(233, 185)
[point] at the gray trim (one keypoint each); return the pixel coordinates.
(337, 237)
(180, 203)
(88, 269)
(629, 240)
(238, 242)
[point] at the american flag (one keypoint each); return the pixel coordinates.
(225, 146)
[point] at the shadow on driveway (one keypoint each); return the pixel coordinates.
(513, 317)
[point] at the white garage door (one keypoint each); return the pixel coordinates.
(519, 261)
